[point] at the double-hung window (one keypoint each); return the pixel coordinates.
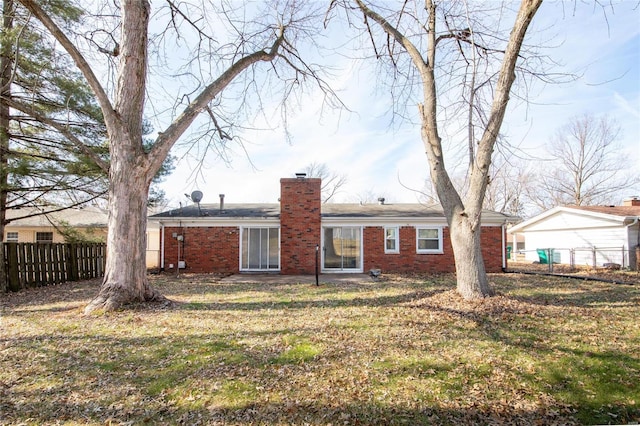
(12, 237)
(391, 243)
(429, 240)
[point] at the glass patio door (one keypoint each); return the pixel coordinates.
(342, 249)
(260, 249)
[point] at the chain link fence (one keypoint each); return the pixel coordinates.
(618, 264)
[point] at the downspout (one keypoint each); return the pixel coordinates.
(634, 223)
(504, 247)
(161, 246)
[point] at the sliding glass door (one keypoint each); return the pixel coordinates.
(260, 249)
(342, 249)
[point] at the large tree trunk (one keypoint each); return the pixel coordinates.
(463, 217)
(6, 62)
(471, 277)
(125, 279)
(131, 169)
(130, 174)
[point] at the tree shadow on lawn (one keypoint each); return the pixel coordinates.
(54, 297)
(145, 369)
(159, 380)
(376, 301)
(569, 292)
(365, 413)
(74, 296)
(368, 413)
(532, 290)
(40, 408)
(599, 382)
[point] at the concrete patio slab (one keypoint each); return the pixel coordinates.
(297, 279)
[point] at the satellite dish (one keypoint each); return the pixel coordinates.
(196, 196)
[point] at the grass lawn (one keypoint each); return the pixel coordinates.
(398, 351)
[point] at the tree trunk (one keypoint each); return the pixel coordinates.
(130, 174)
(131, 168)
(6, 62)
(125, 279)
(471, 277)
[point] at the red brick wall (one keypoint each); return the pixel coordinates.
(299, 224)
(205, 249)
(492, 250)
(410, 261)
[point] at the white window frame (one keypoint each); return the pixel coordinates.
(12, 237)
(359, 261)
(244, 230)
(43, 241)
(439, 250)
(395, 239)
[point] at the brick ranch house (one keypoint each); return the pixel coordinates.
(288, 237)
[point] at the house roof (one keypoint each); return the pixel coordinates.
(31, 217)
(329, 210)
(625, 211)
(271, 210)
(621, 214)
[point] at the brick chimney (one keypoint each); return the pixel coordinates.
(300, 227)
(632, 202)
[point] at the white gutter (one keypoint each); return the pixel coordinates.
(634, 223)
(161, 246)
(504, 246)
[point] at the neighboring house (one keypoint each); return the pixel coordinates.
(289, 237)
(515, 246)
(31, 226)
(583, 235)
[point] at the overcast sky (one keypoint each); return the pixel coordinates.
(381, 161)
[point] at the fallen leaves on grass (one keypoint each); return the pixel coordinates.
(403, 350)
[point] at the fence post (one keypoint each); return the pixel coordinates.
(572, 258)
(13, 273)
(29, 260)
(72, 262)
(104, 259)
(42, 264)
(594, 255)
(55, 260)
(4, 276)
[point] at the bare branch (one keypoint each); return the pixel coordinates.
(167, 138)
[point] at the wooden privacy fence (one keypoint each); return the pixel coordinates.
(37, 264)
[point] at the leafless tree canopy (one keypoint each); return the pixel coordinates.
(331, 180)
(216, 64)
(587, 166)
(458, 62)
(469, 43)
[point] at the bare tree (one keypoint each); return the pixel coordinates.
(476, 69)
(508, 182)
(331, 181)
(119, 38)
(587, 166)
(370, 196)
